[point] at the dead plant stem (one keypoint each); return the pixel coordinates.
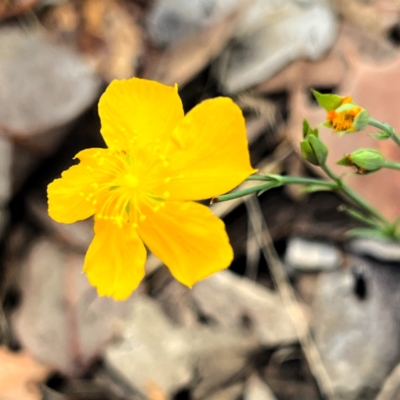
(288, 296)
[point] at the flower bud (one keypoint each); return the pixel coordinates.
(314, 150)
(364, 160)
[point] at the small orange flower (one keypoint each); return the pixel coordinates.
(140, 188)
(343, 120)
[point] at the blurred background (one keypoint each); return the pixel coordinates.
(303, 313)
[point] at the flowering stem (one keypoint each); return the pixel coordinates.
(360, 217)
(244, 192)
(354, 196)
(291, 180)
(391, 165)
(273, 181)
(385, 128)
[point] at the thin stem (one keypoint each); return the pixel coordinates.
(360, 217)
(386, 128)
(391, 165)
(354, 196)
(244, 192)
(291, 180)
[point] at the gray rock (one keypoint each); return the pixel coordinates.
(233, 301)
(152, 350)
(391, 388)
(220, 358)
(377, 249)
(232, 392)
(43, 88)
(61, 320)
(273, 34)
(172, 20)
(357, 325)
(257, 389)
(310, 255)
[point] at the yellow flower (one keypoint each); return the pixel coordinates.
(140, 188)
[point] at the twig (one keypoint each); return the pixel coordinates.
(288, 296)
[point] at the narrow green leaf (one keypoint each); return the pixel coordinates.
(367, 232)
(381, 135)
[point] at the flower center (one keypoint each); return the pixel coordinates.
(343, 121)
(130, 181)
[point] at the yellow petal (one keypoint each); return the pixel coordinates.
(188, 238)
(210, 155)
(69, 197)
(138, 112)
(114, 262)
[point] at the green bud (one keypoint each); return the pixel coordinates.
(307, 130)
(314, 150)
(364, 160)
(327, 100)
(320, 150)
(307, 152)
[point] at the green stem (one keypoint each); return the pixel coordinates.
(360, 217)
(386, 128)
(391, 165)
(354, 196)
(244, 192)
(291, 180)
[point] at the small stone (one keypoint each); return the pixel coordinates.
(61, 319)
(356, 327)
(377, 249)
(151, 351)
(391, 388)
(310, 256)
(172, 20)
(264, 44)
(257, 389)
(231, 392)
(219, 357)
(236, 303)
(42, 86)
(43, 89)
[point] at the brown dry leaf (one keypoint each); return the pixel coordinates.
(182, 62)
(10, 8)
(20, 375)
(105, 31)
(111, 38)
